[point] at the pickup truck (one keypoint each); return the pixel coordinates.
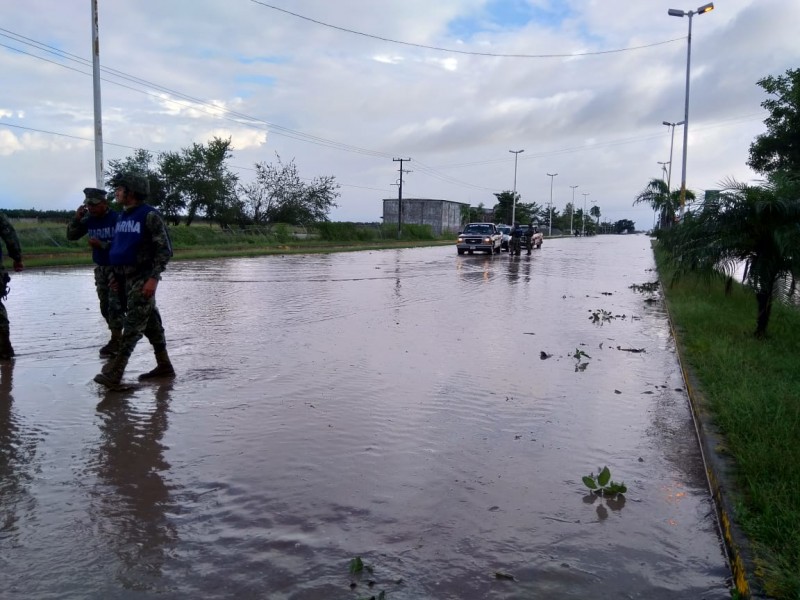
(479, 237)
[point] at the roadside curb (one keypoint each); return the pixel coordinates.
(720, 473)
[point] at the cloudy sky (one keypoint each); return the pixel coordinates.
(345, 87)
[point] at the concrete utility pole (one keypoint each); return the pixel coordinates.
(400, 197)
(572, 212)
(98, 113)
(583, 220)
(550, 223)
(514, 199)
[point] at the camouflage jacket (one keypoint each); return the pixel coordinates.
(9, 235)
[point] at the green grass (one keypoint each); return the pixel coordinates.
(45, 244)
(752, 388)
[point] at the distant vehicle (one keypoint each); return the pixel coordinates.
(479, 237)
(505, 236)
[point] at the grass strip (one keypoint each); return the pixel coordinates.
(752, 389)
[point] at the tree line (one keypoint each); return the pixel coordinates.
(197, 182)
(754, 225)
(568, 220)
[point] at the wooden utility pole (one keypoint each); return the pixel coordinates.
(400, 197)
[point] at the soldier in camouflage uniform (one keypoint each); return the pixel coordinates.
(96, 219)
(140, 251)
(11, 240)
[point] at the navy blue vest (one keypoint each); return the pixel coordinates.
(129, 235)
(102, 228)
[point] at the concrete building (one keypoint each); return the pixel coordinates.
(441, 215)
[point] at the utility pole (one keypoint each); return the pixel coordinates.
(583, 220)
(514, 200)
(572, 212)
(550, 223)
(98, 113)
(400, 197)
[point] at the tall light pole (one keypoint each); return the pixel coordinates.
(98, 112)
(583, 220)
(550, 220)
(514, 200)
(674, 12)
(671, 145)
(572, 212)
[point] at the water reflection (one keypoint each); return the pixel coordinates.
(132, 498)
(17, 454)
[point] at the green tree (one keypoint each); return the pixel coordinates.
(779, 148)
(754, 225)
(595, 212)
(278, 195)
(198, 178)
(504, 206)
(624, 225)
(142, 162)
(662, 201)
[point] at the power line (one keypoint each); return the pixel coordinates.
(438, 49)
(212, 109)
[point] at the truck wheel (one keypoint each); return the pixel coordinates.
(460, 251)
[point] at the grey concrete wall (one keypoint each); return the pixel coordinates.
(440, 215)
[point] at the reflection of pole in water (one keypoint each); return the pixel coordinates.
(132, 496)
(17, 453)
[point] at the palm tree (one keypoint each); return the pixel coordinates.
(754, 225)
(595, 212)
(662, 200)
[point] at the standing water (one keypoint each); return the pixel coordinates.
(429, 413)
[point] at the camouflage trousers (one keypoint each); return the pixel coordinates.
(141, 315)
(3, 291)
(110, 301)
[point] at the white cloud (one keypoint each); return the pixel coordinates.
(594, 119)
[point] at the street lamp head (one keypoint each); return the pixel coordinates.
(516, 151)
(674, 12)
(667, 123)
(705, 8)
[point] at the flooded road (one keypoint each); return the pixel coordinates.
(390, 405)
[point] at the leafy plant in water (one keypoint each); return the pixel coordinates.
(356, 565)
(580, 354)
(600, 316)
(602, 484)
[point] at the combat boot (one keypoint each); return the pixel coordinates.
(112, 347)
(163, 367)
(111, 374)
(6, 350)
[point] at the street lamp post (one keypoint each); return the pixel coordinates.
(671, 145)
(514, 200)
(550, 220)
(572, 212)
(583, 220)
(674, 12)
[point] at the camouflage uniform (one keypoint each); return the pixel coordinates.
(141, 314)
(102, 229)
(9, 235)
(140, 251)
